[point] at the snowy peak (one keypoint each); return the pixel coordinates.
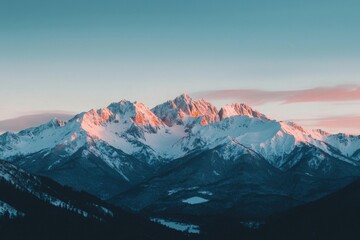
(8, 137)
(319, 133)
(56, 123)
(137, 112)
(177, 110)
(34, 131)
(123, 112)
(144, 116)
(240, 109)
(171, 130)
(96, 117)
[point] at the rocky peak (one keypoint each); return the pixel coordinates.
(175, 111)
(240, 109)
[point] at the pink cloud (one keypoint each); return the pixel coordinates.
(348, 124)
(257, 97)
(340, 122)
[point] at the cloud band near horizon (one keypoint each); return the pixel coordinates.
(31, 120)
(350, 122)
(338, 93)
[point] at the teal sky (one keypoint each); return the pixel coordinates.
(81, 54)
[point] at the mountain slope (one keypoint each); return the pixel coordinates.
(336, 216)
(244, 184)
(38, 208)
(332, 217)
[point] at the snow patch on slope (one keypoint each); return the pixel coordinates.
(45, 137)
(195, 200)
(182, 227)
(9, 211)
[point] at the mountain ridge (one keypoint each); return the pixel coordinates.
(35, 207)
(126, 145)
(137, 118)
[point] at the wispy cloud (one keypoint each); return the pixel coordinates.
(341, 121)
(338, 93)
(347, 123)
(23, 122)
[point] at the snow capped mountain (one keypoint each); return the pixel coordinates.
(171, 130)
(239, 109)
(63, 137)
(184, 110)
(347, 144)
(124, 117)
(126, 143)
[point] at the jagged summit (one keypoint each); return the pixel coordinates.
(177, 110)
(182, 107)
(184, 97)
(240, 109)
(136, 111)
(123, 112)
(169, 130)
(321, 132)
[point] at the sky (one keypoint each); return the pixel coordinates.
(72, 56)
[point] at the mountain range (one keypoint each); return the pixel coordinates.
(185, 158)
